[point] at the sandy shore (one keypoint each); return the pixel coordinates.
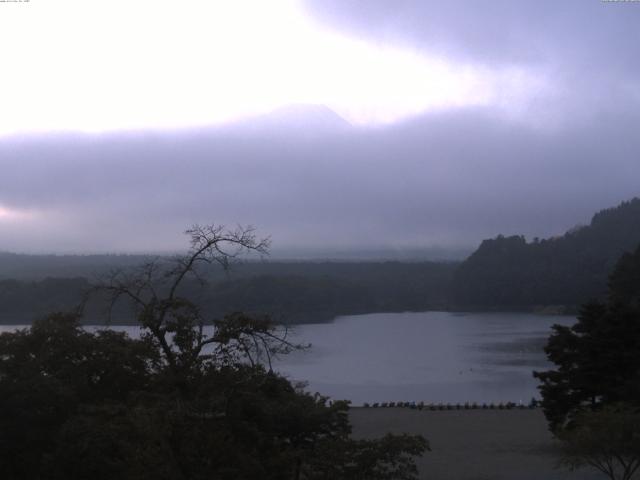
(473, 444)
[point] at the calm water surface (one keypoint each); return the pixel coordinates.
(428, 356)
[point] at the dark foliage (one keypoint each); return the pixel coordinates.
(186, 401)
(48, 372)
(509, 272)
(607, 440)
(303, 292)
(291, 292)
(21, 301)
(598, 358)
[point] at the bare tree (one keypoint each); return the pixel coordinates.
(176, 323)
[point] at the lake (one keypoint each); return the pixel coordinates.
(426, 356)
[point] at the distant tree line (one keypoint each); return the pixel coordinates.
(290, 292)
(503, 273)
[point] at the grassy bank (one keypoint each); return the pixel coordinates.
(473, 444)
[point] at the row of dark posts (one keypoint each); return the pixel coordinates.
(454, 406)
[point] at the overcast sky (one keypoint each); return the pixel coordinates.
(324, 123)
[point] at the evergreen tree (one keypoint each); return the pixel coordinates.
(597, 359)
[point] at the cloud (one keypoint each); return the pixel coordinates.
(587, 51)
(324, 123)
(195, 63)
(440, 179)
(501, 31)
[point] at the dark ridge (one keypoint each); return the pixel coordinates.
(509, 272)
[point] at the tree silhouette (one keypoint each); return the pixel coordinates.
(194, 398)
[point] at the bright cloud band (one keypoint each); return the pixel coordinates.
(95, 66)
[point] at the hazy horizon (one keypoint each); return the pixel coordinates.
(330, 126)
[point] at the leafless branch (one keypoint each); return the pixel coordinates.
(174, 322)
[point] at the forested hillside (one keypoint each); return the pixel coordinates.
(503, 273)
(509, 272)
